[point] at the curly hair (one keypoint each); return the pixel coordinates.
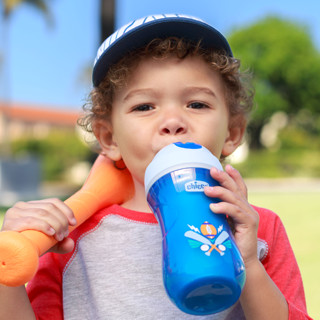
(238, 91)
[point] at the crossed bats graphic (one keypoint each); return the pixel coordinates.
(223, 236)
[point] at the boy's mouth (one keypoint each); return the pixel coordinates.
(162, 145)
(173, 141)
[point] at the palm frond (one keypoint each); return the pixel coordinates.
(10, 5)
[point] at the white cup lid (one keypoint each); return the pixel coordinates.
(178, 156)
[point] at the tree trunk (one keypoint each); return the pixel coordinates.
(107, 18)
(254, 131)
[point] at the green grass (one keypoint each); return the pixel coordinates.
(2, 212)
(300, 213)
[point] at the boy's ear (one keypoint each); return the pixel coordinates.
(234, 139)
(103, 131)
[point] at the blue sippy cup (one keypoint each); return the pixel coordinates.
(203, 271)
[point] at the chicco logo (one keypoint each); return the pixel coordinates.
(195, 186)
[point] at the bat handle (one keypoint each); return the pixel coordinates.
(212, 248)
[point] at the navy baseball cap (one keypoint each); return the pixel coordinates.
(139, 33)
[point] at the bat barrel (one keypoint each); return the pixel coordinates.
(20, 251)
(19, 259)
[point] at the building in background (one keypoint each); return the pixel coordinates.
(21, 121)
(20, 179)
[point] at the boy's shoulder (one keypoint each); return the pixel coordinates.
(268, 220)
(265, 213)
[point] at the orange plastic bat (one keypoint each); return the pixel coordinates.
(20, 251)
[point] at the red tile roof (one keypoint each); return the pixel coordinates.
(45, 114)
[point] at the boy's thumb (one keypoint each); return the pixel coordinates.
(62, 247)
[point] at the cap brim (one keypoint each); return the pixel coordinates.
(187, 28)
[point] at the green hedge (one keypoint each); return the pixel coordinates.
(282, 163)
(297, 154)
(57, 152)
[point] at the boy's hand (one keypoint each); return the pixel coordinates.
(234, 202)
(50, 216)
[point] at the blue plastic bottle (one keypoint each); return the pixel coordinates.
(203, 271)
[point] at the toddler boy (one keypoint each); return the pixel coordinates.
(157, 80)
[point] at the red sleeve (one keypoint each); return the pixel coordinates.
(281, 265)
(45, 289)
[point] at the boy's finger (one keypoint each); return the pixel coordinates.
(66, 210)
(248, 218)
(224, 179)
(225, 195)
(63, 247)
(236, 176)
(28, 222)
(62, 207)
(48, 211)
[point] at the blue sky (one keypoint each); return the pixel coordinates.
(44, 65)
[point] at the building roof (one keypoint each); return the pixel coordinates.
(37, 113)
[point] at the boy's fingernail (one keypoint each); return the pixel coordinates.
(59, 237)
(216, 171)
(213, 206)
(230, 166)
(51, 231)
(73, 221)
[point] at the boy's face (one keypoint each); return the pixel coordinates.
(167, 101)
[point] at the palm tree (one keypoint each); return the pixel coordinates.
(8, 7)
(107, 13)
(106, 28)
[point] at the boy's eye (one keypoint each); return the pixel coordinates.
(143, 107)
(197, 105)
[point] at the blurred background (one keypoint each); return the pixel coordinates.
(47, 48)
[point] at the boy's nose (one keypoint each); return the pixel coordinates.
(173, 125)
